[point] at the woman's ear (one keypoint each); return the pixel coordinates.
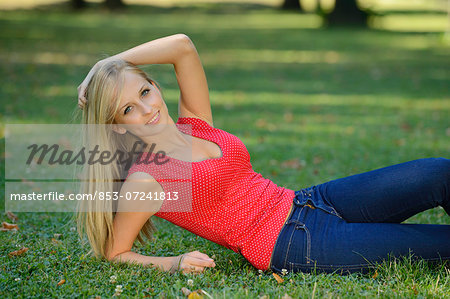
(118, 129)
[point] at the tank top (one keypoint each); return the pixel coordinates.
(225, 200)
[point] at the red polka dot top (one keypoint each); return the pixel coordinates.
(222, 199)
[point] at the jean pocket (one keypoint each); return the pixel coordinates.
(311, 197)
(299, 248)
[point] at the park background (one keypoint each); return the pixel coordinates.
(312, 100)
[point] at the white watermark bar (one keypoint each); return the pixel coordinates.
(67, 168)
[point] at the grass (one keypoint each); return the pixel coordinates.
(340, 101)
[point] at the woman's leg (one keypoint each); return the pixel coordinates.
(391, 194)
(316, 240)
(315, 237)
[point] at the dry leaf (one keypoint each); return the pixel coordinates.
(61, 282)
(286, 296)
(415, 290)
(288, 117)
(12, 216)
(28, 183)
(261, 122)
(8, 226)
(317, 160)
(375, 275)
(186, 292)
(54, 241)
(293, 163)
(195, 295)
(278, 278)
(18, 252)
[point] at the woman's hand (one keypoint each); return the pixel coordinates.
(192, 262)
(82, 87)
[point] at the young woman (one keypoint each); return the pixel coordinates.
(345, 225)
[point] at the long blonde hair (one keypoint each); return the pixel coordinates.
(95, 217)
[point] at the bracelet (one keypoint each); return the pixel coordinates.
(171, 270)
(179, 262)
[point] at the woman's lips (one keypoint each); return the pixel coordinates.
(155, 119)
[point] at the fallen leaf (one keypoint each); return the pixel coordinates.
(11, 216)
(28, 183)
(278, 278)
(261, 122)
(288, 117)
(415, 290)
(195, 295)
(293, 163)
(8, 226)
(286, 296)
(375, 275)
(18, 252)
(405, 126)
(317, 160)
(61, 282)
(54, 241)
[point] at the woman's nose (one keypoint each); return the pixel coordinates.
(147, 109)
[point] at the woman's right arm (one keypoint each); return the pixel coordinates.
(128, 222)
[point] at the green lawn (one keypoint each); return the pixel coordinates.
(330, 102)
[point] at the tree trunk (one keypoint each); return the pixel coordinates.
(291, 5)
(114, 4)
(78, 4)
(347, 12)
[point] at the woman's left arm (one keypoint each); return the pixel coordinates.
(179, 51)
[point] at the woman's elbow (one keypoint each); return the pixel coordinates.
(113, 256)
(185, 42)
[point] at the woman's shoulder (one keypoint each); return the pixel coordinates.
(194, 121)
(134, 193)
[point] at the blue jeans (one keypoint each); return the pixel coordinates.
(350, 224)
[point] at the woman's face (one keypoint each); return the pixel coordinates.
(142, 111)
(141, 104)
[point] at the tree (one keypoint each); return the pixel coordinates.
(78, 4)
(347, 12)
(114, 4)
(292, 4)
(110, 4)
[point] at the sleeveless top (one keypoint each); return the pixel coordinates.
(222, 199)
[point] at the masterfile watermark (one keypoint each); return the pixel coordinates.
(69, 157)
(54, 168)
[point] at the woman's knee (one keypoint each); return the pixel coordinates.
(440, 167)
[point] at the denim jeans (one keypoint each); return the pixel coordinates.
(350, 224)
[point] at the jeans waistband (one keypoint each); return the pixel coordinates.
(313, 198)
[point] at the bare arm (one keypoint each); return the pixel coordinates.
(179, 51)
(128, 222)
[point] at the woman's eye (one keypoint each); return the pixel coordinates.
(145, 92)
(127, 110)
